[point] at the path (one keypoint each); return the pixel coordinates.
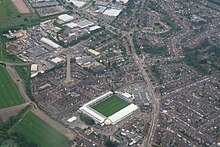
(70, 134)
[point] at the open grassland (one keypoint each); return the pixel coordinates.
(9, 94)
(39, 132)
(110, 106)
(10, 18)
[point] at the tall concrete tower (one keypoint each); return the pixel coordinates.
(68, 70)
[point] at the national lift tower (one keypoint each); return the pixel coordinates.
(68, 70)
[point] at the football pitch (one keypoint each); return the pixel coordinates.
(39, 132)
(9, 94)
(110, 105)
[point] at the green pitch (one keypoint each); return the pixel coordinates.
(39, 132)
(110, 105)
(9, 94)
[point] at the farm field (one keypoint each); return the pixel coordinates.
(9, 94)
(110, 105)
(10, 17)
(39, 131)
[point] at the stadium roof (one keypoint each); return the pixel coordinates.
(98, 98)
(113, 119)
(84, 23)
(95, 115)
(118, 116)
(50, 42)
(65, 17)
(112, 12)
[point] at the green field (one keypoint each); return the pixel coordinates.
(110, 106)
(9, 94)
(39, 132)
(10, 18)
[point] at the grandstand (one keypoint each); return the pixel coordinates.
(109, 108)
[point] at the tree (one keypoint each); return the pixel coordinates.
(86, 119)
(109, 143)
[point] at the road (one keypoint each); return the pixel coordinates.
(150, 88)
(139, 62)
(151, 93)
(175, 38)
(14, 64)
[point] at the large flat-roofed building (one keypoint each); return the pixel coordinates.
(77, 3)
(112, 12)
(109, 108)
(50, 43)
(94, 52)
(84, 23)
(65, 18)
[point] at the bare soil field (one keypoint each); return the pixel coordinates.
(6, 113)
(21, 6)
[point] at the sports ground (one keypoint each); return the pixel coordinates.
(9, 94)
(110, 105)
(39, 132)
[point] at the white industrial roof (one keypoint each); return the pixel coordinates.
(94, 28)
(84, 23)
(65, 17)
(124, 1)
(127, 95)
(112, 12)
(35, 73)
(56, 60)
(101, 9)
(72, 119)
(34, 67)
(118, 116)
(71, 25)
(50, 42)
(77, 3)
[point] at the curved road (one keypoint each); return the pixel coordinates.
(152, 94)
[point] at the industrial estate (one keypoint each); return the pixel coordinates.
(117, 73)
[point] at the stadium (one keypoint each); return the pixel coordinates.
(109, 108)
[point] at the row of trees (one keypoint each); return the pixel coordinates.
(25, 73)
(202, 56)
(18, 138)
